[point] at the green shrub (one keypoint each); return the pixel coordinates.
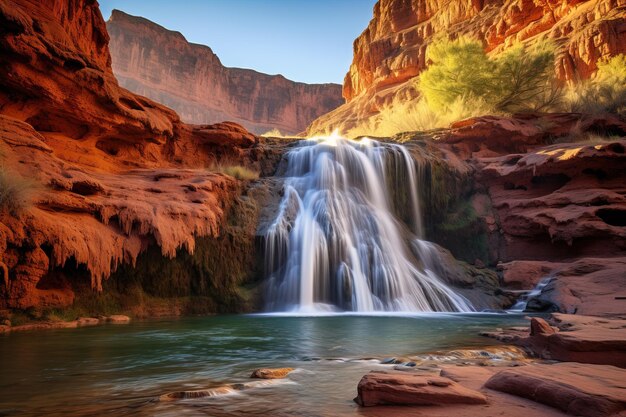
(518, 79)
(459, 69)
(524, 79)
(16, 192)
(605, 92)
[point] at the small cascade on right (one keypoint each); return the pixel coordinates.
(343, 239)
(522, 302)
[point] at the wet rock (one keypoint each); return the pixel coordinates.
(118, 319)
(202, 393)
(87, 321)
(401, 388)
(541, 305)
(580, 390)
(540, 326)
(271, 373)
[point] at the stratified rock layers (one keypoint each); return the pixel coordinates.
(153, 61)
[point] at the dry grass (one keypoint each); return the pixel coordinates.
(16, 192)
(274, 133)
(416, 116)
(605, 92)
(239, 172)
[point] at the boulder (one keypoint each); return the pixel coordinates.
(271, 373)
(403, 388)
(580, 390)
(539, 326)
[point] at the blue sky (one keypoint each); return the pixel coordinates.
(308, 41)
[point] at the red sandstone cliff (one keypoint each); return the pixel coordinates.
(392, 49)
(158, 63)
(114, 171)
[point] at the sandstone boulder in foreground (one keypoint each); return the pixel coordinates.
(580, 390)
(383, 388)
(584, 339)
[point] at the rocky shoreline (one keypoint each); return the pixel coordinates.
(72, 324)
(582, 373)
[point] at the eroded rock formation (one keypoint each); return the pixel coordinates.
(391, 51)
(542, 194)
(158, 63)
(110, 173)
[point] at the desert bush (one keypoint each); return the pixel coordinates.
(524, 79)
(239, 172)
(518, 79)
(273, 133)
(605, 92)
(16, 192)
(459, 69)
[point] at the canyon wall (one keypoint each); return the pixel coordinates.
(92, 175)
(158, 63)
(391, 51)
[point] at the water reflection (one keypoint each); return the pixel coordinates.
(122, 370)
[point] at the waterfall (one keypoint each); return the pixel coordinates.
(337, 243)
(522, 302)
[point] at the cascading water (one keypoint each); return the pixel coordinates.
(337, 244)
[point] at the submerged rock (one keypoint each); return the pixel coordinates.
(202, 393)
(402, 388)
(87, 321)
(271, 373)
(118, 319)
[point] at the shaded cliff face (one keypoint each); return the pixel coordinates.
(110, 173)
(392, 49)
(153, 61)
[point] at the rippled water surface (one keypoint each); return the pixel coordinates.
(122, 370)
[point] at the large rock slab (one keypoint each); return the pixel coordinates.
(580, 339)
(402, 388)
(581, 390)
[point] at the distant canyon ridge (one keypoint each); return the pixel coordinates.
(189, 78)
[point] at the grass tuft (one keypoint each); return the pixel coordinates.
(16, 192)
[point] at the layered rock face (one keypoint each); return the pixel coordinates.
(153, 61)
(528, 196)
(101, 174)
(391, 51)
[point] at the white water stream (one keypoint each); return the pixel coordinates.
(337, 243)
